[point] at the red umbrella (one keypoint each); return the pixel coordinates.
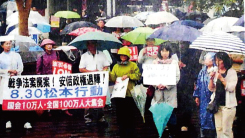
(83, 30)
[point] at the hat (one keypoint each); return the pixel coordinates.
(124, 51)
(47, 41)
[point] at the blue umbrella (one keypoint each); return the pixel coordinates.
(43, 27)
(176, 33)
(161, 114)
(240, 22)
(190, 23)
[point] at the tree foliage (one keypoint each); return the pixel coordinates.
(24, 7)
(233, 5)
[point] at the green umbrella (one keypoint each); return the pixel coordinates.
(161, 114)
(139, 36)
(67, 14)
(105, 40)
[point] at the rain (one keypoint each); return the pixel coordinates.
(122, 68)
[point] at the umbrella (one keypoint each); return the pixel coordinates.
(240, 22)
(123, 22)
(237, 29)
(75, 25)
(139, 36)
(34, 18)
(220, 24)
(161, 114)
(160, 17)
(209, 20)
(82, 30)
(105, 40)
(219, 41)
(142, 16)
(139, 96)
(176, 33)
(32, 30)
(67, 14)
(22, 44)
(196, 14)
(190, 23)
(42, 26)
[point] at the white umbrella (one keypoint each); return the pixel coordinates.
(219, 41)
(19, 38)
(34, 18)
(160, 17)
(237, 29)
(223, 24)
(32, 30)
(142, 16)
(123, 22)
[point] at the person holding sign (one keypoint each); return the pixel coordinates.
(10, 65)
(125, 107)
(93, 61)
(167, 93)
(44, 63)
(148, 53)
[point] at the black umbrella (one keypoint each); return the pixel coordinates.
(195, 15)
(75, 25)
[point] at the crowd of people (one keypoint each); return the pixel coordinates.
(217, 77)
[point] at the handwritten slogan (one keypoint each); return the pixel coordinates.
(43, 92)
(155, 74)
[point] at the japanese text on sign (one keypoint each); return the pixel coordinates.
(151, 50)
(155, 74)
(60, 67)
(54, 87)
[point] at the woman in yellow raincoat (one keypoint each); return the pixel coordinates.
(125, 107)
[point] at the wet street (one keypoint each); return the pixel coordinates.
(60, 125)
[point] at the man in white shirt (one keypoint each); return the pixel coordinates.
(92, 61)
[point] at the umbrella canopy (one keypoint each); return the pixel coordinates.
(176, 33)
(105, 40)
(42, 26)
(219, 41)
(142, 16)
(75, 25)
(237, 29)
(67, 14)
(195, 15)
(34, 18)
(32, 30)
(220, 24)
(139, 36)
(161, 114)
(82, 30)
(190, 23)
(123, 22)
(240, 22)
(18, 38)
(160, 17)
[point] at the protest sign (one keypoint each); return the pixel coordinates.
(55, 21)
(155, 74)
(133, 53)
(43, 92)
(120, 88)
(151, 50)
(60, 67)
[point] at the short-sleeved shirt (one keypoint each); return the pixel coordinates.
(94, 62)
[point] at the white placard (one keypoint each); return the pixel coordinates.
(120, 88)
(155, 74)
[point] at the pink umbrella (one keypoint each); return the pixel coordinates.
(83, 30)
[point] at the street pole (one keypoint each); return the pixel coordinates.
(108, 3)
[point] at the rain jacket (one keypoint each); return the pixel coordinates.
(131, 69)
